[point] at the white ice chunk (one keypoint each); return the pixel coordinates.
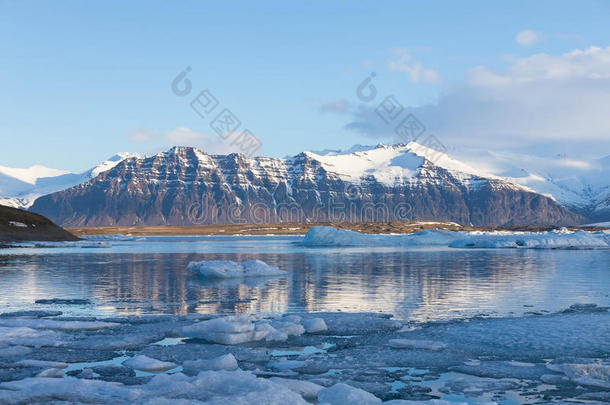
(221, 269)
(593, 374)
(314, 325)
(229, 330)
(25, 336)
(341, 394)
(306, 389)
(73, 390)
(51, 373)
(225, 362)
(145, 363)
(221, 387)
(289, 328)
(536, 240)
(328, 236)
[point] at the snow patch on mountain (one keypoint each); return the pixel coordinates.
(578, 184)
(398, 164)
(20, 187)
(31, 174)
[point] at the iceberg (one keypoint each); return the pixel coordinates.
(222, 269)
(325, 236)
(328, 236)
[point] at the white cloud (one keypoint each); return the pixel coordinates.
(528, 38)
(591, 63)
(416, 71)
(544, 103)
(182, 136)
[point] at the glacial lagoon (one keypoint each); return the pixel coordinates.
(402, 323)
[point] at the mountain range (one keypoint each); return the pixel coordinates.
(185, 185)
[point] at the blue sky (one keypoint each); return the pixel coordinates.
(83, 80)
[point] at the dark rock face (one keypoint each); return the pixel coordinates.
(17, 225)
(185, 186)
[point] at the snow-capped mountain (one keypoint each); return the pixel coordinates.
(582, 186)
(20, 187)
(185, 185)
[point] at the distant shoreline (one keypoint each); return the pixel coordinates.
(298, 228)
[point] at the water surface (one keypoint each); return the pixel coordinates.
(149, 276)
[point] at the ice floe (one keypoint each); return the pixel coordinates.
(325, 358)
(238, 329)
(226, 362)
(559, 239)
(145, 363)
(221, 269)
(416, 344)
(340, 394)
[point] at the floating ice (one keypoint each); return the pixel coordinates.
(314, 325)
(145, 363)
(238, 329)
(370, 360)
(221, 269)
(51, 373)
(284, 364)
(479, 387)
(340, 394)
(230, 330)
(225, 362)
(306, 389)
(540, 240)
(328, 236)
(591, 374)
(416, 344)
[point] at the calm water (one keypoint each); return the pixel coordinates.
(149, 276)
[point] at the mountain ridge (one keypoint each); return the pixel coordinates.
(185, 186)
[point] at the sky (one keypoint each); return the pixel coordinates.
(81, 81)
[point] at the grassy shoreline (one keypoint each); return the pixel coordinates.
(295, 228)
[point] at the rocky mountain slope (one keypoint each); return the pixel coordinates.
(385, 183)
(17, 225)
